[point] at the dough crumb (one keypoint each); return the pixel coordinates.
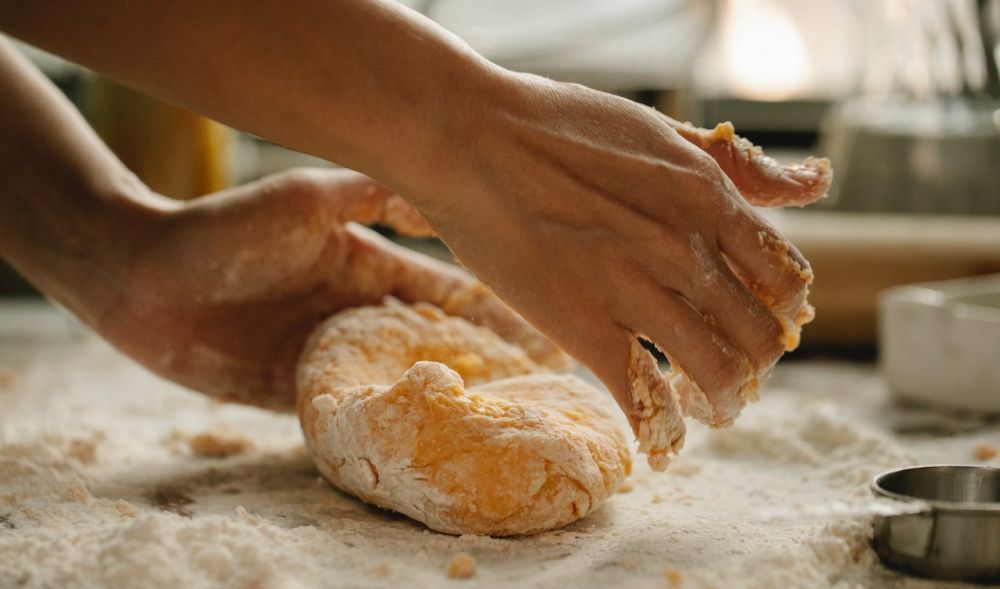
(7, 378)
(126, 509)
(381, 570)
(461, 566)
(657, 498)
(626, 487)
(675, 579)
(986, 452)
(85, 451)
(77, 491)
(219, 443)
(467, 363)
(325, 404)
(299, 451)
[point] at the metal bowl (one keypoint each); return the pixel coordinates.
(955, 532)
(901, 156)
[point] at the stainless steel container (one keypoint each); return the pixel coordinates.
(924, 136)
(954, 532)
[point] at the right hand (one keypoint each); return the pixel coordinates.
(598, 222)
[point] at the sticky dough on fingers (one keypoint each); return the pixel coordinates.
(661, 428)
(764, 182)
(792, 308)
(760, 179)
(428, 415)
(792, 311)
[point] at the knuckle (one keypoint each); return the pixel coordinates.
(299, 181)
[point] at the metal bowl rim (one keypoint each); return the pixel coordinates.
(990, 508)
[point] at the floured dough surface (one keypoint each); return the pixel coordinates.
(428, 415)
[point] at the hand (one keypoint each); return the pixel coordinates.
(598, 222)
(219, 294)
(589, 214)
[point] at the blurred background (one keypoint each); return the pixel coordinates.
(902, 95)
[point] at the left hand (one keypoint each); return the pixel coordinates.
(219, 294)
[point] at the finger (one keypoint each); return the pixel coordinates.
(772, 268)
(419, 278)
(703, 355)
(368, 202)
(730, 308)
(631, 375)
(350, 196)
(760, 179)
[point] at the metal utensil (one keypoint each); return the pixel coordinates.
(956, 535)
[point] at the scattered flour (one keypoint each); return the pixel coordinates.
(92, 494)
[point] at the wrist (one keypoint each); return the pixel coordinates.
(129, 220)
(73, 241)
(472, 126)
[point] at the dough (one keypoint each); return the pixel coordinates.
(426, 414)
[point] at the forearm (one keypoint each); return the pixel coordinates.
(68, 207)
(365, 83)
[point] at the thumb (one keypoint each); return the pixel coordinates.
(350, 196)
(760, 179)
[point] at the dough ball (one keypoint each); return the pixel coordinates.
(428, 415)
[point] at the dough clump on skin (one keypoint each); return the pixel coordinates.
(428, 415)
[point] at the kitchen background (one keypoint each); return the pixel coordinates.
(902, 95)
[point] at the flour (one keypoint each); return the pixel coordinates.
(93, 494)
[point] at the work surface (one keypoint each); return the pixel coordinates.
(105, 482)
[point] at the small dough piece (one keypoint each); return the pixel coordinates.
(661, 426)
(426, 414)
(220, 442)
(986, 451)
(461, 566)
